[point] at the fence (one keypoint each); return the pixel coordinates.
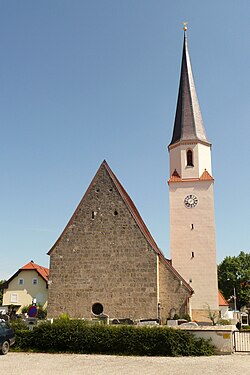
(242, 341)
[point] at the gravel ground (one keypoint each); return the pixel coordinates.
(53, 364)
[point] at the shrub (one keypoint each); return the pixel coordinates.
(245, 328)
(25, 309)
(224, 322)
(80, 337)
(186, 317)
(64, 316)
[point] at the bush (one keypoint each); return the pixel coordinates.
(224, 322)
(77, 336)
(245, 328)
(25, 309)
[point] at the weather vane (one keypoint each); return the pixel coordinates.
(185, 26)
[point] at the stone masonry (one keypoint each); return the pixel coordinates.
(106, 255)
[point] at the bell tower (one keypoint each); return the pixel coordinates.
(192, 227)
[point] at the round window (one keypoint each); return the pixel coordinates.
(97, 308)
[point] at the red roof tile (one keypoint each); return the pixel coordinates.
(43, 271)
(206, 176)
(176, 177)
(222, 300)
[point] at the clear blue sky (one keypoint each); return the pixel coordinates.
(82, 81)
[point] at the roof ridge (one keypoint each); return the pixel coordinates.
(132, 208)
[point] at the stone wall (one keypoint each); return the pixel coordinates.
(172, 293)
(106, 255)
(102, 256)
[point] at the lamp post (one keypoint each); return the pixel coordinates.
(234, 297)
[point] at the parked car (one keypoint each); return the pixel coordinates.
(7, 337)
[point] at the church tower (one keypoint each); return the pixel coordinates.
(192, 227)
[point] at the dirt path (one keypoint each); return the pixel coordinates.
(72, 364)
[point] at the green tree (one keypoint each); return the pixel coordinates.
(1, 291)
(234, 272)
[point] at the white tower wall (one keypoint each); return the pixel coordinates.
(192, 242)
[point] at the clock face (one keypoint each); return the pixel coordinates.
(191, 201)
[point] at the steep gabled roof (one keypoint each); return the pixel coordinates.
(31, 266)
(135, 214)
(206, 176)
(133, 210)
(175, 177)
(188, 123)
(222, 300)
(42, 271)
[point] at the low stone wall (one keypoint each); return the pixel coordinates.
(221, 336)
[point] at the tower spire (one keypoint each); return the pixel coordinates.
(188, 123)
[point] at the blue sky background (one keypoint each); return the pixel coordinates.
(83, 81)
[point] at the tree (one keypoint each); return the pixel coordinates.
(234, 274)
(1, 291)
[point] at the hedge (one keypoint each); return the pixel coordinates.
(76, 336)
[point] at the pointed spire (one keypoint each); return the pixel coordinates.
(188, 123)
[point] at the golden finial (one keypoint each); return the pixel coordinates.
(185, 26)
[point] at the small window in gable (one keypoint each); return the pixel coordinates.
(34, 281)
(190, 158)
(20, 281)
(13, 298)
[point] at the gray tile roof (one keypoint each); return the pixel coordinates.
(188, 123)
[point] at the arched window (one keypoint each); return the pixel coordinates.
(190, 158)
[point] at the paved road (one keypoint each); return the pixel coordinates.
(74, 364)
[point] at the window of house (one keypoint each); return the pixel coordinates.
(13, 298)
(34, 281)
(244, 320)
(20, 281)
(190, 158)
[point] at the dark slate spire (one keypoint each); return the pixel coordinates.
(188, 123)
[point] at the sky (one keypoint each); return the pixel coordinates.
(83, 81)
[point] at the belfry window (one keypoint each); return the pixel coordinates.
(190, 158)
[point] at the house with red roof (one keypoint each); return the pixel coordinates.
(223, 306)
(29, 284)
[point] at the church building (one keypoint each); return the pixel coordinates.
(106, 261)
